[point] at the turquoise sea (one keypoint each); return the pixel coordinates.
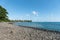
(54, 26)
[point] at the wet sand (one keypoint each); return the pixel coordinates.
(12, 32)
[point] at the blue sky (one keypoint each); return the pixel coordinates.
(35, 10)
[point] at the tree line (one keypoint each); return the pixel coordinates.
(21, 20)
(3, 14)
(4, 17)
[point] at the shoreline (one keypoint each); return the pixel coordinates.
(39, 29)
(13, 32)
(36, 28)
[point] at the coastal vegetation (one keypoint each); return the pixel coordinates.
(21, 20)
(3, 14)
(4, 17)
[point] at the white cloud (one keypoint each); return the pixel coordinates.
(35, 13)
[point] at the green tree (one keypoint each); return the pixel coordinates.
(3, 14)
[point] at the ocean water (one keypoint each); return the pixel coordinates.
(54, 26)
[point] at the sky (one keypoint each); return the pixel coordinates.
(35, 10)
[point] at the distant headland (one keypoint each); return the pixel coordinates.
(20, 20)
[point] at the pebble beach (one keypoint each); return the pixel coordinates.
(13, 32)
